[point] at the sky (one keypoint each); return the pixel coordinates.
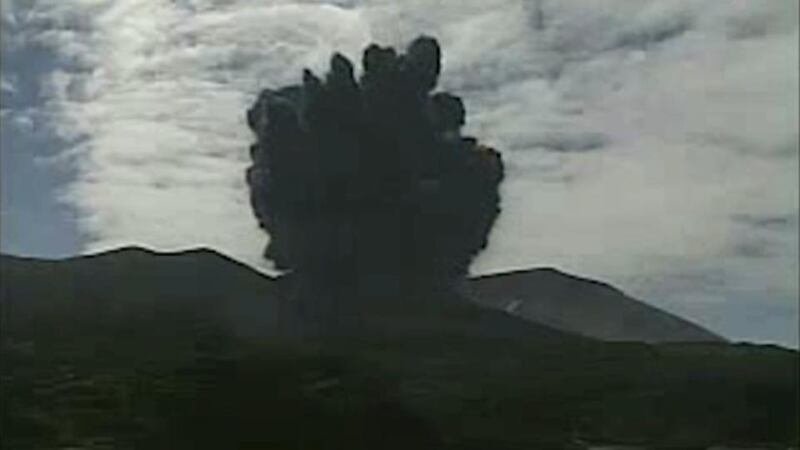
(649, 144)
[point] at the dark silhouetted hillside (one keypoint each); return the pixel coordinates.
(119, 283)
(207, 285)
(133, 349)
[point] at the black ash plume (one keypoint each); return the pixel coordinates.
(351, 177)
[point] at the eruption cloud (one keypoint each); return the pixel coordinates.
(354, 176)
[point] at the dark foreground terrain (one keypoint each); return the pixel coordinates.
(131, 349)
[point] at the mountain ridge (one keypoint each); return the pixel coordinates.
(242, 299)
(545, 295)
(136, 349)
(585, 306)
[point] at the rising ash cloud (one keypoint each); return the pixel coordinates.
(361, 176)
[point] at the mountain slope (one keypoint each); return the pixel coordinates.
(250, 302)
(127, 281)
(582, 306)
(132, 349)
(231, 295)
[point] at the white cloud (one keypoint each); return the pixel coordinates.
(7, 86)
(154, 96)
(637, 134)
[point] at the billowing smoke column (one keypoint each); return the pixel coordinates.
(352, 177)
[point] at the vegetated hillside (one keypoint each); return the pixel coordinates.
(583, 306)
(132, 349)
(129, 281)
(204, 286)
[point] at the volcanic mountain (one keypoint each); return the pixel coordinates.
(251, 301)
(135, 349)
(583, 306)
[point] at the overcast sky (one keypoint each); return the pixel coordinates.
(649, 144)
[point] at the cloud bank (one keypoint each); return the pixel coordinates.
(650, 144)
